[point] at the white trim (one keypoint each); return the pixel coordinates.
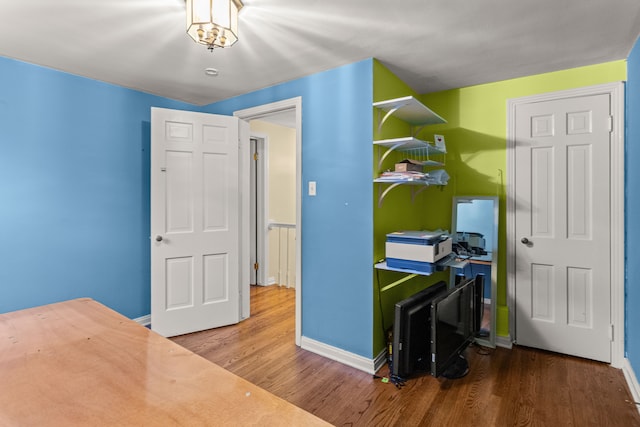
(262, 242)
(616, 93)
(253, 217)
(263, 210)
(380, 360)
(261, 111)
(143, 320)
(340, 355)
(632, 382)
(617, 223)
(504, 342)
(245, 230)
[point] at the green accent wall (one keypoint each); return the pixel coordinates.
(476, 135)
(430, 210)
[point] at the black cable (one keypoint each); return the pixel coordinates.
(482, 350)
(393, 379)
(384, 335)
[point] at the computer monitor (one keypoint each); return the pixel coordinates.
(411, 330)
(453, 328)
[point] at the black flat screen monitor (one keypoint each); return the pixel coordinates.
(411, 330)
(453, 326)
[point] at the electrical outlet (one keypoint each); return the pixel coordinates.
(312, 188)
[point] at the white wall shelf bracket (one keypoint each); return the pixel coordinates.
(389, 151)
(383, 193)
(416, 191)
(415, 130)
(386, 116)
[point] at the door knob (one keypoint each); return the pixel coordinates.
(524, 240)
(158, 238)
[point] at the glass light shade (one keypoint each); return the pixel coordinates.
(213, 23)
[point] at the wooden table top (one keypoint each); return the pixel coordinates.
(80, 363)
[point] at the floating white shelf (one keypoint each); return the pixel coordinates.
(416, 114)
(409, 143)
(410, 110)
(431, 163)
(446, 262)
(382, 193)
(405, 144)
(403, 181)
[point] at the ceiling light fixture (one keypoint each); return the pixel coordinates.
(213, 23)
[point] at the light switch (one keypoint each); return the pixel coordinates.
(312, 188)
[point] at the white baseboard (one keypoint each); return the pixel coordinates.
(271, 281)
(144, 320)
(504, 342)
(380, 360)
(632, 381)
(340, 355)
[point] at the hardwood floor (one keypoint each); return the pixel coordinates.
(519, 387)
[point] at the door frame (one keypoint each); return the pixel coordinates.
(261, 214)
(616, 191)
(264, 110)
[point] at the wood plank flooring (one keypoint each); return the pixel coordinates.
(519, 387)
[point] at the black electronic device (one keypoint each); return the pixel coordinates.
(411, 330)
(453, 327)
(479, 307)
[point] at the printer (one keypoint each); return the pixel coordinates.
(469, 243)
(417, 250)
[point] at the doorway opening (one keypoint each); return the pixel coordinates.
(276, 197)
(273, 197)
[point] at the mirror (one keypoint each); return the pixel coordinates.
(475, 239)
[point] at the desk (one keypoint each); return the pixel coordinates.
(480, 264)
(448, 261)
(80, 363)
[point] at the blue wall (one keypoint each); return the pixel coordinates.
(337, 241)
(74, 190)
(74, 193)
(632, 201)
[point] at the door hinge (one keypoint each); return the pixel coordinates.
(256, 266)
(256, 156)
(611, 334)
(610, 123)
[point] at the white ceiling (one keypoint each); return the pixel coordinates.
(430, 44)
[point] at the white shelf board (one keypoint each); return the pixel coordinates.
(431, 163)
(402, 181)
(448, 261)
(410, 110)
(408, 143)
(383, 266)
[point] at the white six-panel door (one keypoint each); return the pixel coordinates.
(562, 226)
(195, 221)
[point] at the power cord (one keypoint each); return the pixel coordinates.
(482, 350)
(396, 380)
